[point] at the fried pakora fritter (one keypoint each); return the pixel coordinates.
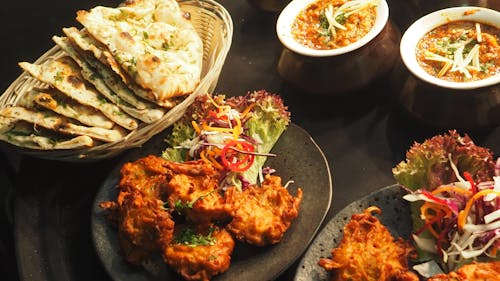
(368, 252)
(200, 253)
(193, 189)
(151, 189)
(144, 225)
(262, 215)
(481, 271)
(147, 174)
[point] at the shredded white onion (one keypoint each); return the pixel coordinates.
(493, 216)
(482, 227)
(425, 244)
(474, 253)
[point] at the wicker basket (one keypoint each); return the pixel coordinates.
(214, 25)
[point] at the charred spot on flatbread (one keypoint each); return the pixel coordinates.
(75, 81)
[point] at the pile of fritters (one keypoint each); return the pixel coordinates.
(179, 210)
(125, 69)
(369, 252)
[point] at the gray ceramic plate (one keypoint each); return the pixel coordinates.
(395, 216)
(298, 158)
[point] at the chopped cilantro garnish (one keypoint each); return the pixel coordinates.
(58, 77)
(94, 76)
(180, 205)
(131, 65)
(165, 46)
(443, 43)
(190, 238)
(341, 18)
(486, 66)
(102, 100)
(323, 24)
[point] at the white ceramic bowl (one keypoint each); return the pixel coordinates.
(427, 23)
(337, 71)
(290, 12)
(439, 103)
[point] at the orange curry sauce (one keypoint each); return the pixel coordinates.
(311, 27)
(440, 49)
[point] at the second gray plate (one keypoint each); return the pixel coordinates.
(395, 217)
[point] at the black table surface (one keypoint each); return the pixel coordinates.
(363, 136)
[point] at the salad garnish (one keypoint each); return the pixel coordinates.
(455, 200)
(235, 135)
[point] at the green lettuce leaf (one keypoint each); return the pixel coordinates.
(181, 131)
(427, 165)
(268, 121)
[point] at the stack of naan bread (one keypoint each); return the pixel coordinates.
(126, 68)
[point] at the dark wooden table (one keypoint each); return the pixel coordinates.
(363, 136)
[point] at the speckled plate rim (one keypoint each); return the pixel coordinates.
(395, 216)
(297, 151)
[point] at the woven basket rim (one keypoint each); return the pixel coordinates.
(145, 131)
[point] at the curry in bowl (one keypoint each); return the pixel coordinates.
(460, 51)
(327, 24)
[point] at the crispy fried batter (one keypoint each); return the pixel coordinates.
(151, 189)
(481, 271)
(144, 225)
(262, 215)
(369, 252)
(201, 262)
(195, 185)
(147, 174)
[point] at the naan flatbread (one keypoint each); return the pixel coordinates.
(22, 134)
(64, 74)
(87, 43)
(99, 57)
(153, 41)
(56, 101)
(61, 124)
(148, 113)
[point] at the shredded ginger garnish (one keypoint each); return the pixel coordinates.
(458, 62)
(333, 15)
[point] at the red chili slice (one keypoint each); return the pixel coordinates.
(434, 198)
(473, 186)
(235, 160)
